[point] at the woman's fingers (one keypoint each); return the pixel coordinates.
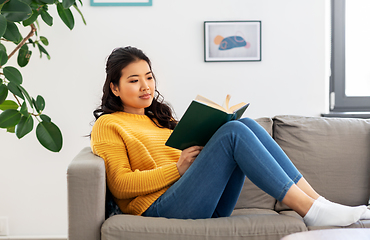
(193, 149)
(187, 158)
(193, 152)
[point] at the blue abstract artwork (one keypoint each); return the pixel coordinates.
(233, 41)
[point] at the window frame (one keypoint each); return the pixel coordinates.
(339, 102)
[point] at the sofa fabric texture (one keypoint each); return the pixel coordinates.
(339, 150)
(333, 154)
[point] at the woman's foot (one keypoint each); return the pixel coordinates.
(326, 213)
(364, 216)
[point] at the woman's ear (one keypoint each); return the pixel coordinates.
(114, 89)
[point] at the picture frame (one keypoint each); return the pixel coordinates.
(232, 41)
(121, 2)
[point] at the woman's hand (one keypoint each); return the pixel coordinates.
(187, 158)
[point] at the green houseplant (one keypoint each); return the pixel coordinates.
(17, 114)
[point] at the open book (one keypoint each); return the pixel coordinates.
(201, 120)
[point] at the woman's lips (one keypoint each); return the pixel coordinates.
(145, 96)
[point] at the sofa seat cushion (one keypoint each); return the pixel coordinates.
(333, 154)
(358, 224)
(258, 224)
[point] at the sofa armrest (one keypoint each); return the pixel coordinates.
(86, 185)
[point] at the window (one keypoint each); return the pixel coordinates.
(350, 58)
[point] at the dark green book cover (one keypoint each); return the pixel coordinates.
(198, 125)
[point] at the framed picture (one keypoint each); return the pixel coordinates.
(121, 2)
(232, 41)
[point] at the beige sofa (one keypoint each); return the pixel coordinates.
(333, 154)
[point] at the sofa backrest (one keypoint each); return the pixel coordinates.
(333, 154)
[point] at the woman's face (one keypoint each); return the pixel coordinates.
(136, 87)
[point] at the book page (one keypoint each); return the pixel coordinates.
(237, 106)
(225, 108)
(226, 103)
(209, 103)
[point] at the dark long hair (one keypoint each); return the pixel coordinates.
(159, 112)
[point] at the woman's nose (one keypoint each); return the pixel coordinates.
(144, 86)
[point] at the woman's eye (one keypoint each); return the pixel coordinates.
(133, 81)
(150, 78)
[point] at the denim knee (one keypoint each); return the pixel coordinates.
(232, 126)
(247, 121)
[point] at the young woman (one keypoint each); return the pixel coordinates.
(150, 179)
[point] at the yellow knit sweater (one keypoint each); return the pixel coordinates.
(139, 167)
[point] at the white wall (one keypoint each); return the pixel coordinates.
(290, 79)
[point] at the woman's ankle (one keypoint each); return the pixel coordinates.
(306, 187)
(298, 200)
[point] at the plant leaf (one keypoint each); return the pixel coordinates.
(13, 75)
(31, 19)
(46, 18)
(2, 47)
(32, 42)
(34, 104)
(3, 57)
(49, 136)
(24, 126)
(48, 1)
(24, 109)
(28, 2)
(45, 118)
(11, 129)
(23, 56)
(9, 118)
(79, 11)
(25, 93)
(8, 104)
(38, 27)
(44, 40)
(42, 50)
(12, 33)
(16, 11)
(66, 16)
(3, 93)
(3, 25)
(40, 103)
(25, 47)
(14, 88)
(67, 3)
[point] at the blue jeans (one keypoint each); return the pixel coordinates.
(212, 184)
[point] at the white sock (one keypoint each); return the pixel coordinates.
(364, 216)
(330, 214)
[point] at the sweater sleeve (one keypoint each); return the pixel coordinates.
(123, 182)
